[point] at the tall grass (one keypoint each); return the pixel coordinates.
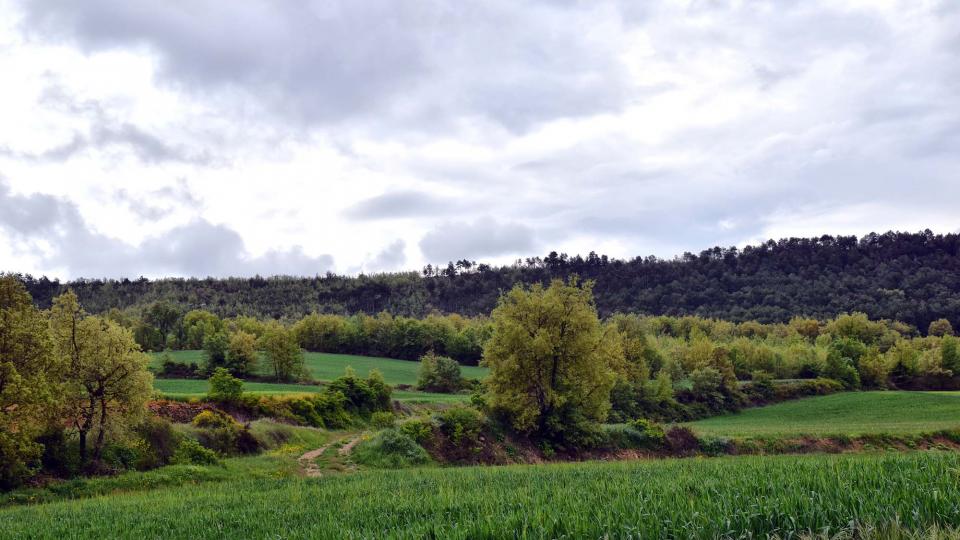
(738, 497)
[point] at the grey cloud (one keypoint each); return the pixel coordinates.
(319, 62)
(391, 258)
(158, 203)
(398, 204)
(198, 248)
(482, 238)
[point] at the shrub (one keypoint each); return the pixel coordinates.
(212, 420)
(224, 387)
(681, 440)
(382, 420)
(460, 423)
(762, 384)
(391, 448)
(439, 374)
(716, 446)
(190, 452)
(161, 442)
(419, 429)
(363, 396)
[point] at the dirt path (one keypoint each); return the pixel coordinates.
(308, 464)
(347, 448)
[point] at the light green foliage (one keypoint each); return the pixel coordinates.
(284, 355)
(460, 423)
(383, 420)
(847, 413)
(322, 332)
(224, 386)
(29, 377)
(552, 364)
(873, 369)
(242, 353)
(740, 497)
(106, 382)
(390, 449)
(940, 327)
(950, 354)
(190, 452)
(439, 374)
(197, 325)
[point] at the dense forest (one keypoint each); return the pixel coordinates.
(910, 277)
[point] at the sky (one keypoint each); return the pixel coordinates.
(216, 138)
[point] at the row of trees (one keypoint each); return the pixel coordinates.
(63, 371)
(898, 276)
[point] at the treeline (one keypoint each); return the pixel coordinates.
(910, 277)
(164, 326)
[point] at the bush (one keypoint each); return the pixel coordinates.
(224, 434)
(212, 420)
(716, 446)
(391, 448)
(161, 442)
(681, 440)
(363, 396)
(61, 456)
(224, 387)
(439, 374)
(190, 452)
(460, 423)
(419, 429)
(382, 420)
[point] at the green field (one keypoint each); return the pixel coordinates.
(196, 388)
(848, 413)
(691, 498)
(326, 367)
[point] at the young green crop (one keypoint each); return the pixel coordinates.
(326, 367)
(848, 413)
(692, 498)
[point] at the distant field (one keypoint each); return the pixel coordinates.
(848, 413)
(193, 388)
(326, 367)
(733, 497)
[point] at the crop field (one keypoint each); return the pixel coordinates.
(326, 367)
(686, 498)
(848, 413)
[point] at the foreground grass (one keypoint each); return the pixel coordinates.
(848, 413)
(326, 367)
(693, 498)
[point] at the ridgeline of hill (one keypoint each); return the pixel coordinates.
(911, 277)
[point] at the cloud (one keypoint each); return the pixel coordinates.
(391, 258)
(158, 203)
(399, 204)
(482, 238)
(198, 248)
(321, 62)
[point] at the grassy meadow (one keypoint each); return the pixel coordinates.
(847, 413)
(676, 498)
(326, 367)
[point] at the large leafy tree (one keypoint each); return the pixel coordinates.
(552, 363)
(283, 352)
(28, 381)
(106, 382)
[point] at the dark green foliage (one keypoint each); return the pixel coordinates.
(462, 425)
(841, 369)
(910, 277)
(161, 442)
(224, 435)
(215, 350)
(640, 434)
(363, 396)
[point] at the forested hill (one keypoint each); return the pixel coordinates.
(914, 278)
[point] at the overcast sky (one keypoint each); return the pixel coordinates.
(209, 137)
